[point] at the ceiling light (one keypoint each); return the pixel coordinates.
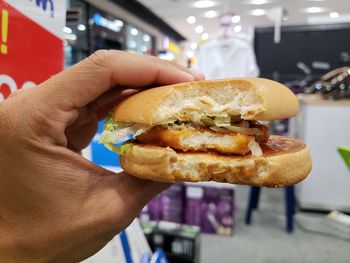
(191, 20)
(71, 37)
(258, 12)
(146, 38)
(199, 29)
(119, 23)
(314, 10)
(190, 54)
(211, 14)
(203, 4)
(67, 30)
(132, 44)
(205, 36)
(194, 45)
(134, 31)
(81, 27)
(167, 56)
(237, 28)
(236, 19)
(334, 15)
(258, 2)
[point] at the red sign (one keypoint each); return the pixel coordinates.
(29, 53)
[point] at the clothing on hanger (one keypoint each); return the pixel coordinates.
(227, 55)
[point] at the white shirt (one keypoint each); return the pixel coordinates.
(227, 58)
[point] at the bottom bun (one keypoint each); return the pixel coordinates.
(285, 161)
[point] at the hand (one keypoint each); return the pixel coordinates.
(55, 205)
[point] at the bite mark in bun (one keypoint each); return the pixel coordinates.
(209, 130)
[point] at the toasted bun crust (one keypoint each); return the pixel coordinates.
(286, 162)
(253, 99)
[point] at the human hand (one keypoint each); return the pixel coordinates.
(55, 205)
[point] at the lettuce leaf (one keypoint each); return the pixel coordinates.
(222, 121)
(207, 121)
(119, 149)
(115, 132)
(203, 119)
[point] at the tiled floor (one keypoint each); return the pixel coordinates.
(265, 241)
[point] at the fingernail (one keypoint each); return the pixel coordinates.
(197, 74)
(188, 76)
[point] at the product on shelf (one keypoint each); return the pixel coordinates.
(211, 208)
(167, 206)
(181, 243)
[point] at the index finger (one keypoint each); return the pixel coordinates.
(87, 80)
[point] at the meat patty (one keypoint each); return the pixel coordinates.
(197, 139)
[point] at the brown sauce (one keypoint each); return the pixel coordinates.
(278, 145)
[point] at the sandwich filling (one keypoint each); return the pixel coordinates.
(224, 135)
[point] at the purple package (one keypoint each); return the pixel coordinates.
(152, 211)
(211, 208)
(167, 206)
(217, 211)
(171, 202)
(194, 200)
(155, 209)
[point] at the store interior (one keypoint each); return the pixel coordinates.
(303, 44)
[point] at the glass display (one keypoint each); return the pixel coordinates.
(139, 41)
(76, 44)
(107, 31)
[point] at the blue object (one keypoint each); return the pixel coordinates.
(252, 203)
(289, 205)
(126, 247)
(146, 258)
(159, 256)
(100, 154)
(97, 18)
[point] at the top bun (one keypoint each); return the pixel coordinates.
(252, 99)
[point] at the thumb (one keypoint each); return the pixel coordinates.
(124, 196)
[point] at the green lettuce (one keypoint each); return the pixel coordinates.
(207, 121)
(114, 132)
(203, 119)
(222, 121)
(119, 149)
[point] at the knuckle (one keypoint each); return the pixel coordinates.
(100, 53)
(99, 57)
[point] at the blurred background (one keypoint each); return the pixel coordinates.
(304, 44)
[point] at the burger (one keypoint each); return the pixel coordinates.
(208, 131)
